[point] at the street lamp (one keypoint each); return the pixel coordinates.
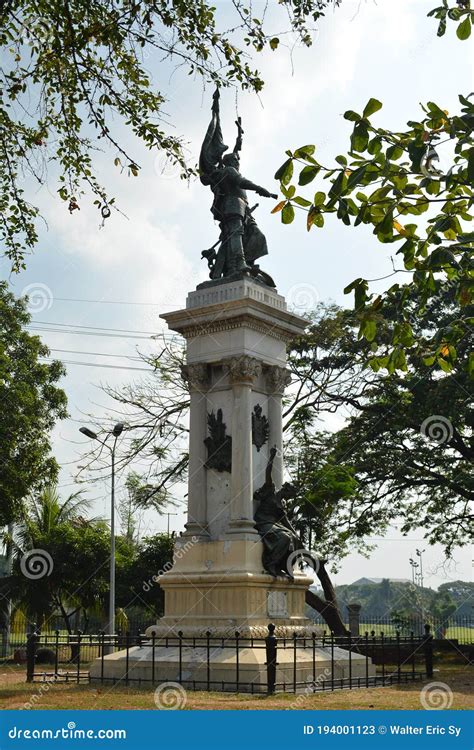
(414, 566)
(419, 553)
(116, 432)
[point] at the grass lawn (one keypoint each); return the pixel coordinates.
(15, 693)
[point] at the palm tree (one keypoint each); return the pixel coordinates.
(46, 521)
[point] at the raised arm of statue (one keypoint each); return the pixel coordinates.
(240, 132)
(268, 471)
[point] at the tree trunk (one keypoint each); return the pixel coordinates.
(327, 607)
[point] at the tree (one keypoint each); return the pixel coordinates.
(137, 583)
(406, 449)
(385, 176)
(74, 72)
(441, 607)
(31, 405)
(462, 593)
(53, 533)
(130, 515)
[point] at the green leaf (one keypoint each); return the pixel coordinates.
(302, 201)
(360, 137)
(351, 115)
(286, 166)
(470, 165)
(337, 186)
(356, 177)
(308, 174)
(274, 42)
(444, 364)
(304, 151)
(394, 152)
(319, 198)
(288, 214)
(368, 328)
(373, 105)
(318, 220)
(359, 287)
(463, 31)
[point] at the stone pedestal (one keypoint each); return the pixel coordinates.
(236, 337)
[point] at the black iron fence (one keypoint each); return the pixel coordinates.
(365, 661)
(459, 629)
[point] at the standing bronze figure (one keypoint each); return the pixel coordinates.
(241, 241)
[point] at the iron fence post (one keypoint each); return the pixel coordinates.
(56, 653)
(208, 655)
(237, 661)
(180, 655)
(399, 658)
(271, 663)
(428, 649)
(294, 661)
(31, 644)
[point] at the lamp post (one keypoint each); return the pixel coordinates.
(116, 432)
(168, 526)
(414, 572)
(419, 553)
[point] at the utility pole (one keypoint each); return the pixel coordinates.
(168, 525)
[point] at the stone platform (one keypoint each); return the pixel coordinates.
(191, 670)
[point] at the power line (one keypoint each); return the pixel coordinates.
(97, 364)
(96, 354)
(91, 333)
(108, 302)
(92, 328)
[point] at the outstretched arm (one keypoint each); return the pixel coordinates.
(248, 185)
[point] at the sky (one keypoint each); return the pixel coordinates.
(122, 275)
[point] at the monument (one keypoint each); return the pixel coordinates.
(235, 564)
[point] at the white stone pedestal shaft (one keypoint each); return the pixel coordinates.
(236, 338)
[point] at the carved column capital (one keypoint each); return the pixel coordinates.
(277, 378)
(196, 376)
(243, 369)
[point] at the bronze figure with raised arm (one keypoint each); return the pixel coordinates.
(241, 241)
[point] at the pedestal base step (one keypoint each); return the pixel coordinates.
(230, 669)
